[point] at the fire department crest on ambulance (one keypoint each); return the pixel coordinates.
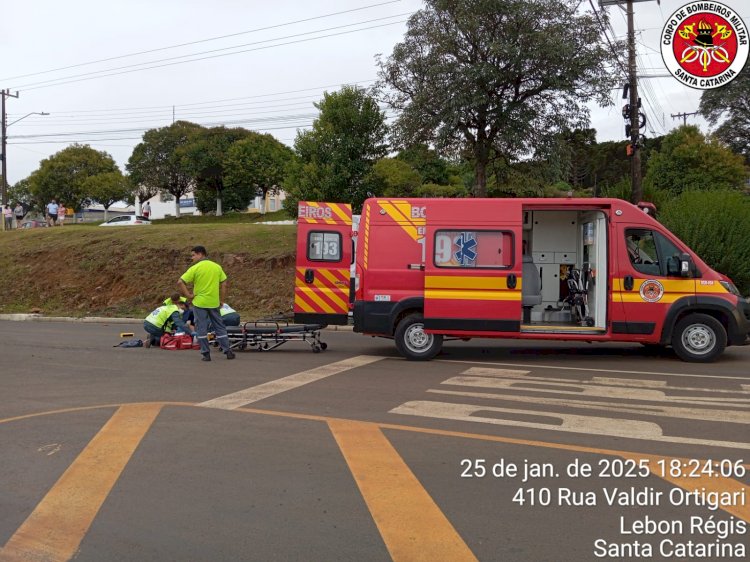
(705, 44)
(651, 290)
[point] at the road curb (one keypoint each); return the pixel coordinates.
(104, 320)
(88, 319)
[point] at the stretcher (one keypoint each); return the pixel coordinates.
(266, 335)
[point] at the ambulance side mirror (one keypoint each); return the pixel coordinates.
(686, 266)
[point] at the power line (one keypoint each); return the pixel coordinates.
(606, 36)
(122, 70)
(169, 107)
(201, 40)
(257, 122)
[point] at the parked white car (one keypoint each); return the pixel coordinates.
(127, 220)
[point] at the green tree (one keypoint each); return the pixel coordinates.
(256, 165)
(731, 105)
(425, 160)
(397, 178)
(715, 225)
(158, 161)
(204, 158)
(107, 189)
(20, 192)
(687, 160)
(335, 159)
(492, 78)
(62, 176)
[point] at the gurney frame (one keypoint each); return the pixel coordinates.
(267, 335)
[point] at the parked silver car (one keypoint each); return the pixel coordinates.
(126, 220)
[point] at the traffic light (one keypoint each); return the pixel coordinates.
(629, 149)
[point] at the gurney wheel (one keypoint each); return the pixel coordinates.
(316, 349)
(323, 345)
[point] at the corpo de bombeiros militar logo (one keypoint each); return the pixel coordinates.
(704, 44)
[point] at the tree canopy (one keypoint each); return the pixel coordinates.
(204, 158)
(157, 162)
(493, 78)
(688, 160)
(63, 175)
(256, 165)
(731, 104)
(335, 158)
(107, 189)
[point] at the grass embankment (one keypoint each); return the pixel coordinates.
(127, 271)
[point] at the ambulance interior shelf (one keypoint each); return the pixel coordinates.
(567, 248)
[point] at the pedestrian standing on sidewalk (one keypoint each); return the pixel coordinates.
(8, 217)
(52, 213)
(19, 212)
(209, 291)
(61, 211)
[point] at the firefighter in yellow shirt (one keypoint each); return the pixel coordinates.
(208, 294)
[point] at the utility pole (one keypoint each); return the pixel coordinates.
(3, 144)
(684, 116)
(636, 193)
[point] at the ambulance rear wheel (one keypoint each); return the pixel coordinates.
(413, 343)
(699, 338)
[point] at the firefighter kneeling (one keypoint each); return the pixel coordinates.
(164, 319)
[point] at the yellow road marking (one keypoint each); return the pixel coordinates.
(719, 484)
(57, 525)
(412, 526)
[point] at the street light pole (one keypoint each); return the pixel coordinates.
(3, 127)
(3, 141)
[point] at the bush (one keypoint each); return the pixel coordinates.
(716, 225)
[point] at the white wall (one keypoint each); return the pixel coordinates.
(160, 208)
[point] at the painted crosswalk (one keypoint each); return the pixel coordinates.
(605, 406)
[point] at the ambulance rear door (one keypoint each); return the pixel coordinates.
(324, 259)
(472, 268)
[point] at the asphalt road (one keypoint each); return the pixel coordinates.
(496, 450)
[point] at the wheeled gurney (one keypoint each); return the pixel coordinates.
(266, 335)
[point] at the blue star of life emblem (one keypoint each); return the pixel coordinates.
(466, 253)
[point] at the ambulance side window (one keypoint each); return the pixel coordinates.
(650, 251)
(324, 246)
(489, 249)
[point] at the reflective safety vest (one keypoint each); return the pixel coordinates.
(160, 316)
(168, 300)
(226, 309)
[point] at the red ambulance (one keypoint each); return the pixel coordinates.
(421, 270)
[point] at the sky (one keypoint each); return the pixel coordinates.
(263, 65)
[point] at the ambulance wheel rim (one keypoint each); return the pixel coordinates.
(699, 339)
(416, 340)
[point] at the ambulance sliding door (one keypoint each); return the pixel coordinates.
(472, 273)
(324, 258)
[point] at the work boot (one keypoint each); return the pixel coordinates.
(206, 357)
(230, 354)
(147, 341)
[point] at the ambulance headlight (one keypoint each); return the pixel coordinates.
(729, 286)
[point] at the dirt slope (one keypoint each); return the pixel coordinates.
(126, 271)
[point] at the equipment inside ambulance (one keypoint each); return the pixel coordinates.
(425, 270)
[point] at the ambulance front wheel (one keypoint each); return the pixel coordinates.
(412, 341)
(699, 338)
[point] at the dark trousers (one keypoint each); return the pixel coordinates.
(204, 316)
(154, 332)
(231, 319)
